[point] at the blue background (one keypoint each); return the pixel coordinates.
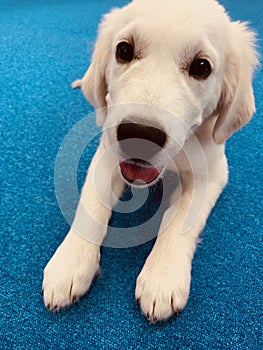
(44, 46)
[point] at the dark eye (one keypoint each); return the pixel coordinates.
(200, 68)
(125, 52)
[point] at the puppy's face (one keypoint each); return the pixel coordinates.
(161, 85)
(164, 68)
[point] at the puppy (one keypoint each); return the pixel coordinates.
(170, 81)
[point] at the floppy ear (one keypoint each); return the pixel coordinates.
(236, 105)
(94, 83)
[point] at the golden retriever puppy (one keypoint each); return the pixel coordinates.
(170, 81)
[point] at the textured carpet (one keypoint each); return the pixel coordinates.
(44, 46)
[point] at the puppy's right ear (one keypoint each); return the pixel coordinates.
(94, 87)
(94, 83)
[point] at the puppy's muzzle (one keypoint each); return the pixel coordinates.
(139, 143)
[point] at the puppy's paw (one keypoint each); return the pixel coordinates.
(162, 290)
(69, 273)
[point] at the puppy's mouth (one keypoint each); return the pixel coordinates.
(138, 172)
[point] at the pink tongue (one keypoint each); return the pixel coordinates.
(133, 172)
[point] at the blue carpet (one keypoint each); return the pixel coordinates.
(44, 46)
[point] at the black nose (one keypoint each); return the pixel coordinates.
(139, 140)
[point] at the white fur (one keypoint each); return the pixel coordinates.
(168, 35)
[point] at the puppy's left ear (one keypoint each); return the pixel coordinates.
(236, 105)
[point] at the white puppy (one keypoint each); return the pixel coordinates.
(168, 78)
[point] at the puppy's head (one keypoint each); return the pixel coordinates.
(159, 69)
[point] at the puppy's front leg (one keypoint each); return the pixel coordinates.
(164, 283)
(69, 273)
